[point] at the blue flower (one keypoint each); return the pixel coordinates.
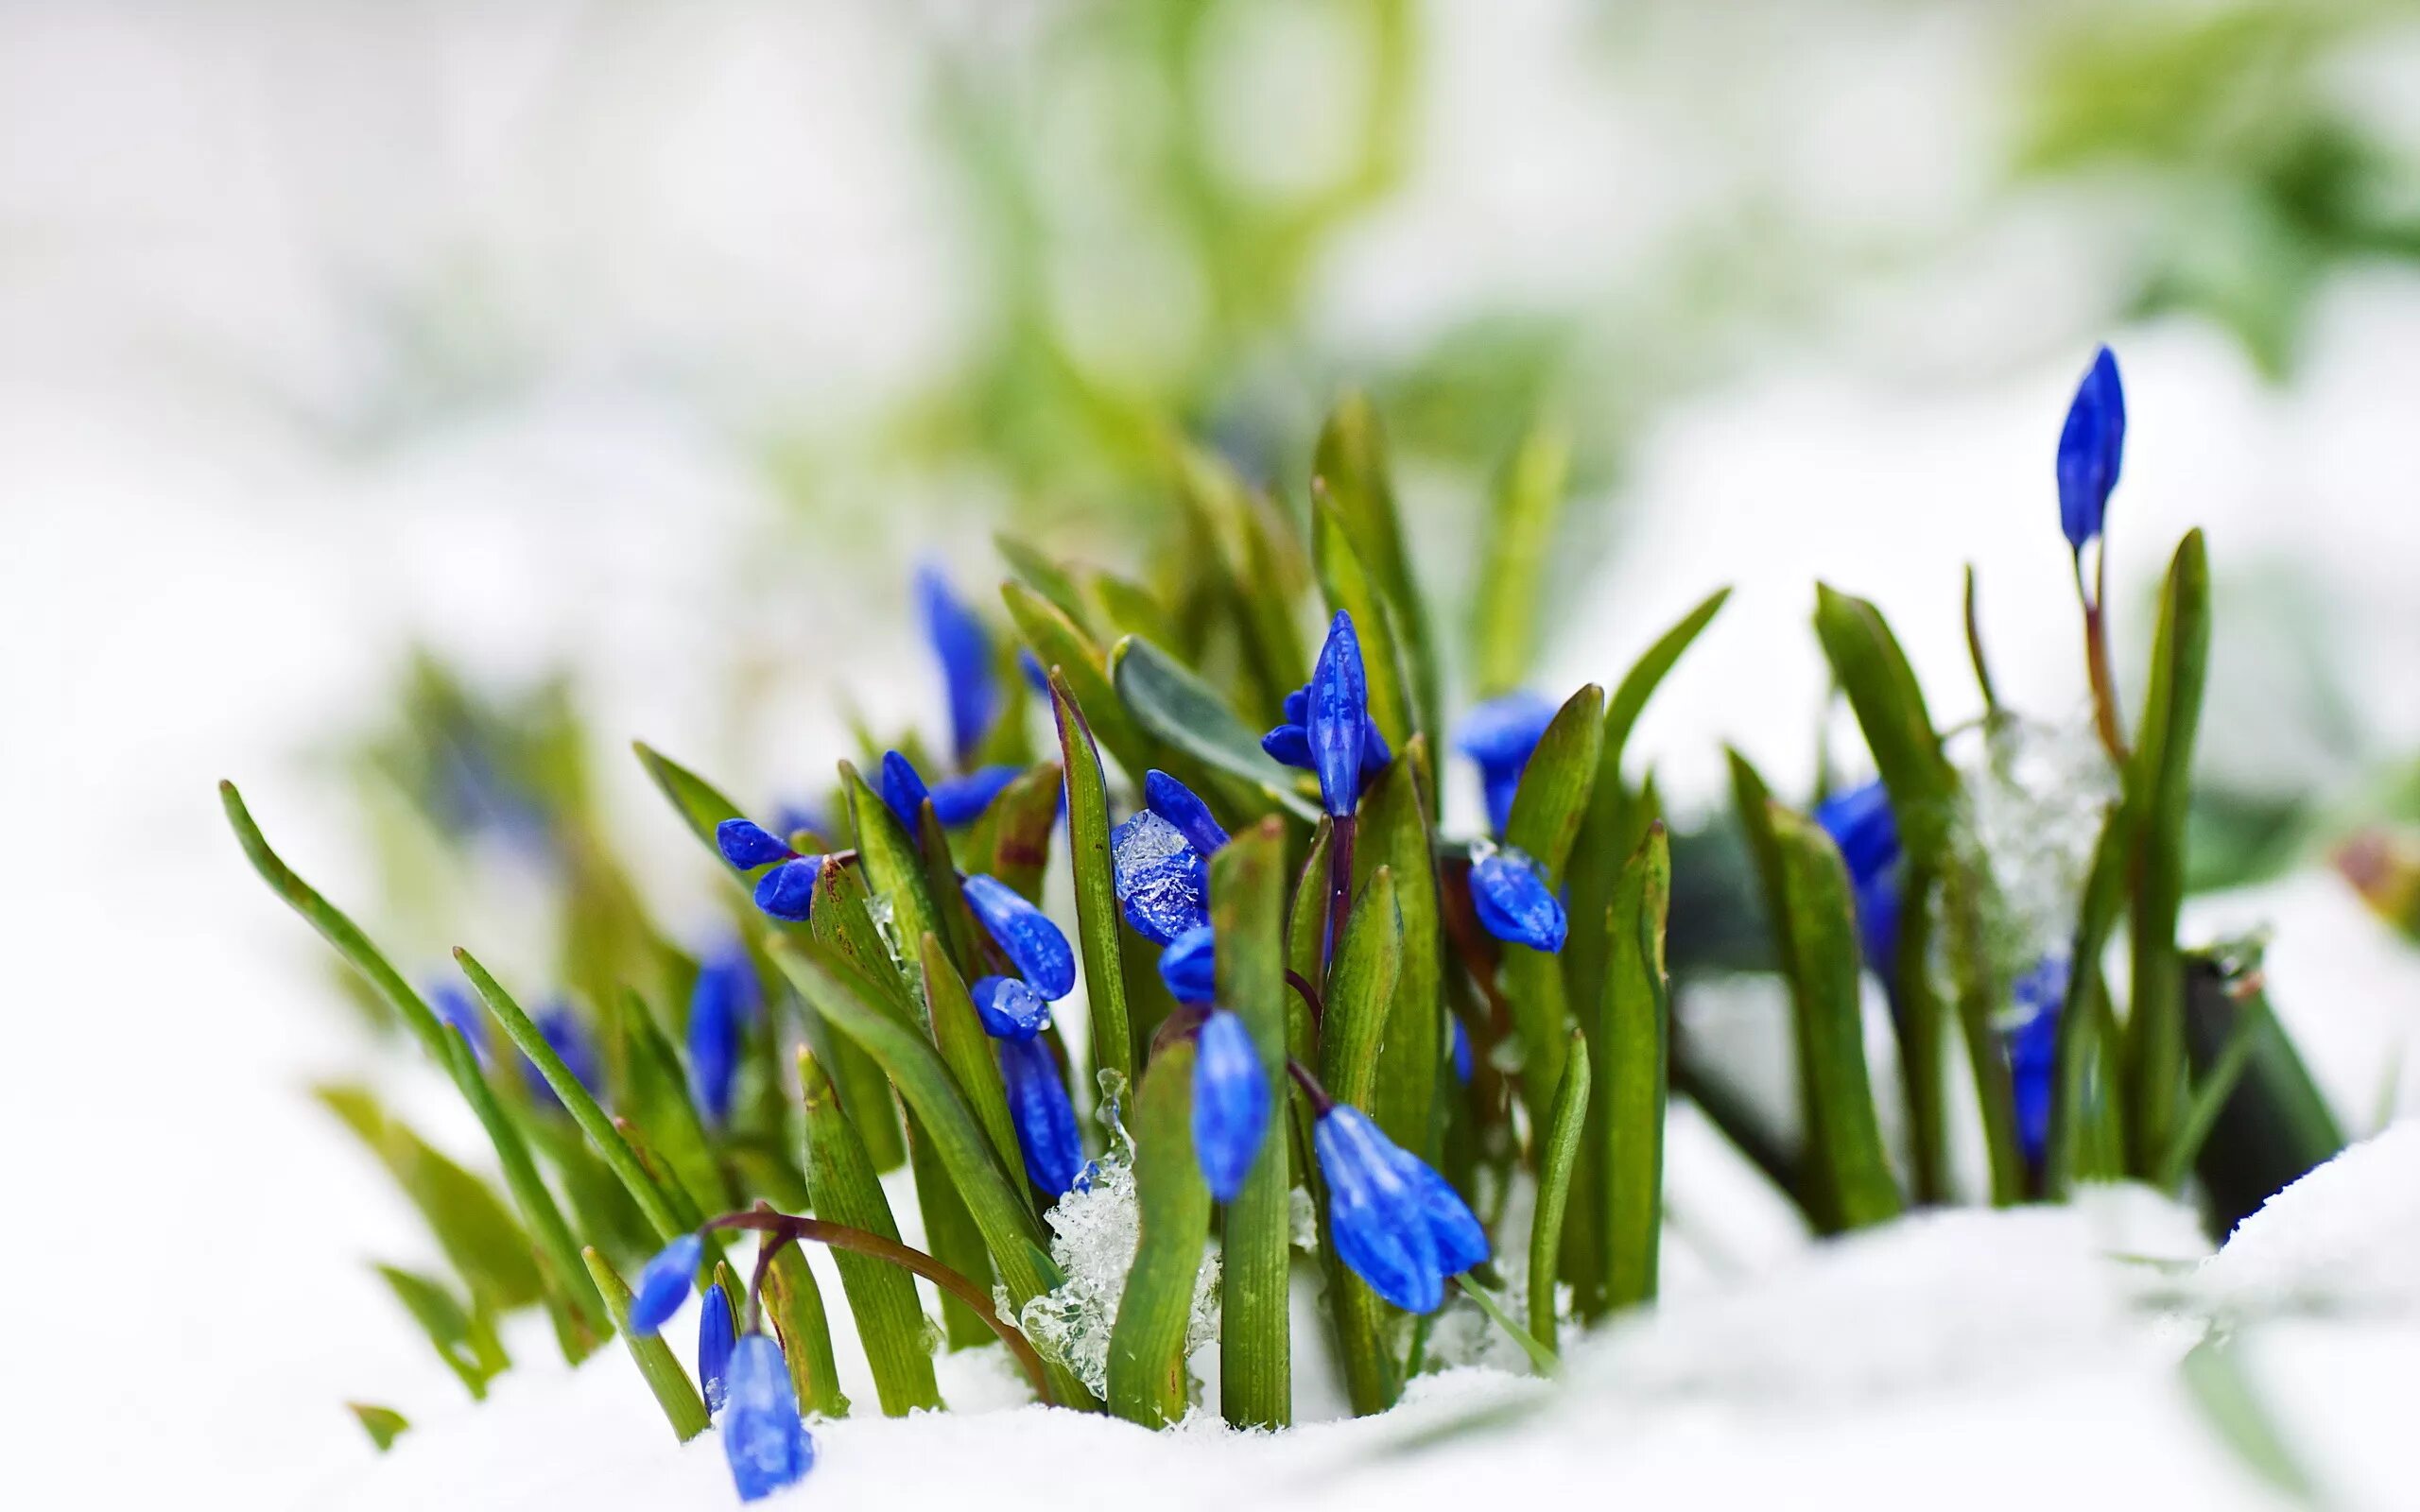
(1463, 1066)
(1178, 805)
(720, 1004)
(1327, 727)
(570, 1041)
(747, 845)
(1189, 966)
(1230, 1104)
(1499, 734)
(962, 800)
(666, 1283)
(1162, 882)
(791, 817)
(715, 1335)
(2033, 1052)
(2092, 444)
(903, 790)
(787, 891)
(1036, 675)
(1009, 1009)
(1031, 942)
(1860, 822)
(456, 1010)
(1515, 903)
(762, 1436)
(1397, 1223)
(1046, 1121)
(964, 648)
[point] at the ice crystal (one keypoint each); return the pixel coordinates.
(2036, 795)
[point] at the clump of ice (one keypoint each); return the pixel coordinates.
(2034, 796)
(1302, 1218)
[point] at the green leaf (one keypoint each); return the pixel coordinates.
(2083, 1057)
(462, 1339)
(794, 1305)
(2159, 788)
(1514, 544)
(1889, 707)
(890, 1321)
(701, 807)
(1360, 991)
(1247, 913)
(1350, 469)
(659, 1100)
(958, 1031)
(1258, 570)
(1012, 841)
(952, 1238)
(1636, 1042)
(1043, 576)
(1189, 714)
(482, 1238)
(1348, 587)
(1566, 1126)
(2217, 1385)
(1059, 645)
(1147, 1343)
(1394, 833)
(674, 1391)
(383, 1424)
(843, 924)
(894, 869)
(1541, 1358)
(1547, 810)
(1097, 913)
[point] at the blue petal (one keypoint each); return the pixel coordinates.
(1189, 966)
(1499, 788)
(1513, 903)
(763, 1440)
(1462, 1067)
(1163, 883)
(962, 800)
(1379, 1224)
(1028, 937)
(1009, 1009)
(2092, 444)
(1288, 746)
(1339, 717)
(787, 891)
(1452, 1227)
(964, 650)
(665, 1285)
(903, 790)
(1178, 805)
(715, 1335)
(1502, 732)
(747, 846)
(1298, 705)
(457, 1011)
(1230, 1104)
(2033, 1052)
(1860, 822)
(720, 1004)
(570, 1042)
(1046, 1121)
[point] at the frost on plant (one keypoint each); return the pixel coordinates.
(2035, 796)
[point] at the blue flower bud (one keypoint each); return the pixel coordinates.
(1037, 676)
(1499, 735)
(715, 1336)
(1031, 942)
(570, 1041)
(1230, 1104)
(666, 1283)
(1289, 745)
(963, 647)
(722, 1003)
(456, 1010)
(1009, 1009)
(1046, 1121)
(763, 1437)
(962, 800)
(1189, 966)
(1163, 883)
(2033, 1052)
(748, 846)
(1860, 822)
(1396, 1223)
(1463, 1066)
(1513, 903)
(1177, 803)
(1339, 713)
(903, 789)
(787, 891)
(2092, 444)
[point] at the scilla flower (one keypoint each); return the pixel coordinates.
(1513, 903)
(2032, 1051)
(720, 1006)
(1189, 966)
(456, 1010)
(963, 647)
(1010, 1008)
(763, 1437)
(787, 891)
(1327, 727)
(664, 1283)
(1499, 735)
(1230, 1104)
(2091, 446)
(570, 1041)
(1161, 860)
(903, 790)
(1046, 1121)
(1028, 937)
(1398, 1223)
(956, 800)
(1860, 822)
(715, 1336)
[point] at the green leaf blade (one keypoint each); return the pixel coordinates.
(890, 1321)
(1146, 1342)
(1256, 1359)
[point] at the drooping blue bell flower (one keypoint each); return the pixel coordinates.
(1515, 903)
(1182, 807)
(2092, 444)
(903, 790)
(962, 800)
(1189, 966)
(665, 1285)
(569, 1039)
(1045, 1119)
(1230, 1104)
(963, 647)
(747, 845)
(457, 1011)
(1031, 942)
(1499, 735)
(715, 1336)
(2033, 1051)
(1010, 1008)
(1327, 729)
(1462, 1064)
(763, 1437)
(722, 1003)
(1860, 822)
(1162, 882)
(787, 891)
(1398, 1223)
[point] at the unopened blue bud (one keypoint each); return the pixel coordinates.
(962, 800)
(665, 1285)
(1027, 936)
(722, 1003)
(1163, 883)
(2092, 444)
(1397, 1223)
(1499, 735)
(1860, 822)
(715, 1336)
(787, 891)
(748, 846)
(763, 1438)
(1189, 966)
(1230, 1104)
(1463, 1066)
(1339, 714)
(1044, 1120)
(1178, 805)
(1009, 1009)
(903, 789)
(2033, 1052)
(1515, 903)
(1289, 745)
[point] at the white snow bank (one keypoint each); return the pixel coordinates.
(2343, 1239)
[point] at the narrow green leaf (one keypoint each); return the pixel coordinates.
(1350, 469)
(1514, 544)
(699, 803)
(949, 897)
(2159, 787)
(1396, 833)
(1259, 573)
(674, 1391)
(462, 1340)
(660, 1101)
(1123, 606)
(1566, 1126)
(843, 923)
(894, 869)
(1043, 576)
(2216, 1384)
(1348, 587)
(891, 1321)
(2085, 1068)
(1635, 1041)
(1547, 810)
(1889, 707)
(967, 1050)
(1147, 1343)
(1097, 913)
(1246, 912)
(1011, 840)
(482, 1238)
(1189, 714)
(1541, 1358)
(383, 1424)
(951, 1237)
(1360, 991)
(794, 1305)
(1059, 643)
